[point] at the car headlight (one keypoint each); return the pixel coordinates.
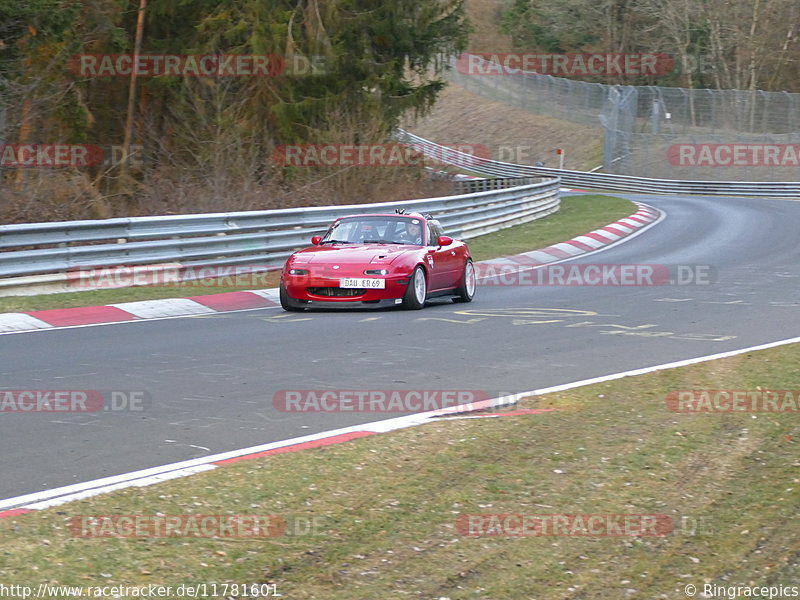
(376, 272)
(298, 271)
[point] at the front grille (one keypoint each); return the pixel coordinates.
(335, 291)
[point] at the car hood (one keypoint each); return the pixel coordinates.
(353, 254)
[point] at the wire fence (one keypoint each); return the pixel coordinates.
(664, 132)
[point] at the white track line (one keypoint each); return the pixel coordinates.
(154, 475)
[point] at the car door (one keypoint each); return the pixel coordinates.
(446, 264)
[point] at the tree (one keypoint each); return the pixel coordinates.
(378, 61)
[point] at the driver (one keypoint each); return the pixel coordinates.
(413, 232)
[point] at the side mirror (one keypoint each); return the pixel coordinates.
(316, 240)
(444, 240)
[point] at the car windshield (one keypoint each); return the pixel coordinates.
(376, 230)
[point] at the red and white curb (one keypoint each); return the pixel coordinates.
(583, 244)
(137, 311)
(21, 505)
(255, 299)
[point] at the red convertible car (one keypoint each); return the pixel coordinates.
(385, 259)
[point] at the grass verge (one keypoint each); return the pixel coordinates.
(578, 215)
(387, 505)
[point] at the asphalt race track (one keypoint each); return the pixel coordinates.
(212, 378)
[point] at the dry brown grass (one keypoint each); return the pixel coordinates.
(485, 16)
(461, 117)
(62, 196)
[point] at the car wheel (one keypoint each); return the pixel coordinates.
(288, 303)
(465, 291)
(417, 290)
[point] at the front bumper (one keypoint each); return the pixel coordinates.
(313, 289)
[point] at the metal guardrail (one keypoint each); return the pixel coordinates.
(263, 238)
(605, 181)
(470, 186)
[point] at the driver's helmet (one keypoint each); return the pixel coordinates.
(414, 228)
